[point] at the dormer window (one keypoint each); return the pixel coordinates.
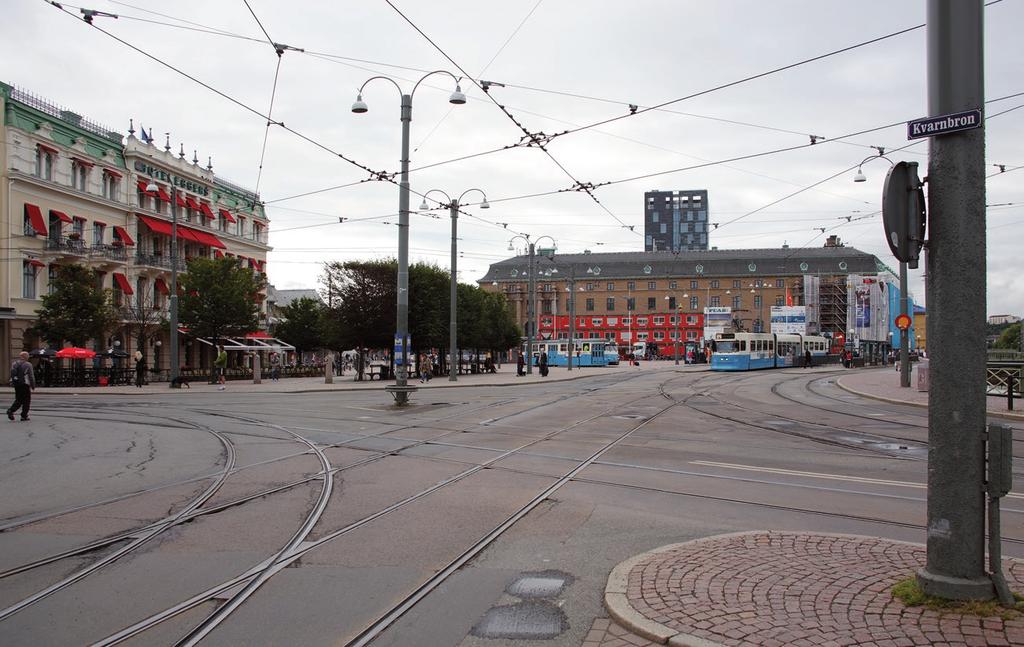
(46, 157)
(80, 173)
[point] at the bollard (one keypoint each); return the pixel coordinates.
(329, 370)
(256, 369)
(1009, 391)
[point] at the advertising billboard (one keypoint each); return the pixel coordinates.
(716, 320)
(789, 320)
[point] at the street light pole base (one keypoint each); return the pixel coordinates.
(400, 393)
(955, 588)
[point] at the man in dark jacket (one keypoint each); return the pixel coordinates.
(24, 381)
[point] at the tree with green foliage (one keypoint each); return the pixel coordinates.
(302, 324)
(1010, 337)
(219, 298)
(363, 305)
(76, 310)
(429, 298)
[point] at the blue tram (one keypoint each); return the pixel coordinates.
(747, 351)
(589, 352)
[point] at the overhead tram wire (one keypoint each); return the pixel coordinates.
(279, 50)
(533, 139)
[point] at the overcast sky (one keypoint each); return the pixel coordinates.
(564, 65)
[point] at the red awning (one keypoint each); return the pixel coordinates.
(34, 263)
(61, 216)
(226, 215)
(163, 194)
(192, 204)
(218, 254)
(205, 208)
(142, 187)
(111, 172)
(122, 282)
(122, 233)
(259, 334)
(84, 162)
(180, 200)
(48, 149)
(185, 233)
(100, 223)
(161, 287)
(35, 217)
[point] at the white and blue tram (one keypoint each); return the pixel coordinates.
(589, 352)
(748, 351)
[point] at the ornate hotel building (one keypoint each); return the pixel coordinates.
(73, 191)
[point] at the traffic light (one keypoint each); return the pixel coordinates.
(903, 212)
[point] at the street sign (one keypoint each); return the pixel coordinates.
(398, 349)
(903, 321)
(903, 214)
(943, 124)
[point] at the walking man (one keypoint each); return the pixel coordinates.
(807, 358)
(140, 368)
(221, 365)
(24, 381)
(275, 367)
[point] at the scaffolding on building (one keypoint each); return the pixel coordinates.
(832, 308)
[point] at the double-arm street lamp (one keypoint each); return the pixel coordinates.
(401, 389)
(531, 315)
(152, 188)
(678, 312)
(453, 209)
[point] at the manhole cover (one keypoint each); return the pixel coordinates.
(548, 584)
(524, 621)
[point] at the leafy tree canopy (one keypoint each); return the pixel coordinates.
(219, 298)
(76, 310)
(1010, 337)
(302, 324)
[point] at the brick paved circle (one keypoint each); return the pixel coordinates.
(769, 589)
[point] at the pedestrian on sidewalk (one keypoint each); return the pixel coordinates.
(520, 366)
(275, 367)
(23, 379)
(140, 368)
(807, 358)
(221, 366)
(543, 364)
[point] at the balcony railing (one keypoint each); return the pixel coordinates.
(67, 245)
(113, 252)
(154, 260)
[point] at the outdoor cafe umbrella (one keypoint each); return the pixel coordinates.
(114, 352)
(42, 352)
(76, 353)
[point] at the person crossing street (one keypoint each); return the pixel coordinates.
(24, 381)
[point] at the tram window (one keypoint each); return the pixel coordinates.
(743, 345)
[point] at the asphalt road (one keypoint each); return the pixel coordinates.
(477, 516)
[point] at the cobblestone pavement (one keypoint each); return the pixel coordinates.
(774, 589)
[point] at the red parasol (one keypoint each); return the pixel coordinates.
(76, 353)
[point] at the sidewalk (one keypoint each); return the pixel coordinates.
(884, 384)
(775, 589)
(506, 376)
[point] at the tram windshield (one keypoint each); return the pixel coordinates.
(726, 346)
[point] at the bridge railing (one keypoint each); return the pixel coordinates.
(1005, 379)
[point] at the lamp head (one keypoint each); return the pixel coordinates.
(424, 206)
(457, 97)
(485, 204)
(359, 107)
(151, 187)
(860, 177)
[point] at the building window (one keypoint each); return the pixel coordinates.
(659, 335)
(97, 233)
(693, 303)
(659, 321)
(545, 307)
(45, 159)
(78, 227)
(652, 285)
(631, 304)
(641, 321)
(627, 321)
(735, 283)
(109, 186)
(28, 279)
(652, 303)
(631, 286)
(597, 321)
(590, 305)
(641, 336)
(693, 285)
(780, 300)
(736, 303)
(714, 284)
(715, 302)
(757, 300)
(671, 303)
(79, 175)
(610, 287)
(672, 285)
(590, 287)
(609, 304)
(51, 274)
(691, 334)
(691, 321)
(780, 283)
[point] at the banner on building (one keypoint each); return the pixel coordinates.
(789, 320)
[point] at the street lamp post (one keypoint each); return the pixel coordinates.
(401, 389)
(531, 314)
(151, 187)
(677, 310)
(453, 208)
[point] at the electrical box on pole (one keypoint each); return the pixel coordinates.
(903, 212)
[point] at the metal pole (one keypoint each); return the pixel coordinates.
(572, 315)
(531, 325)
(452, 323)
(905, 333)
(679, 316)
(955, 565)
(401, 396)
(175, 361)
